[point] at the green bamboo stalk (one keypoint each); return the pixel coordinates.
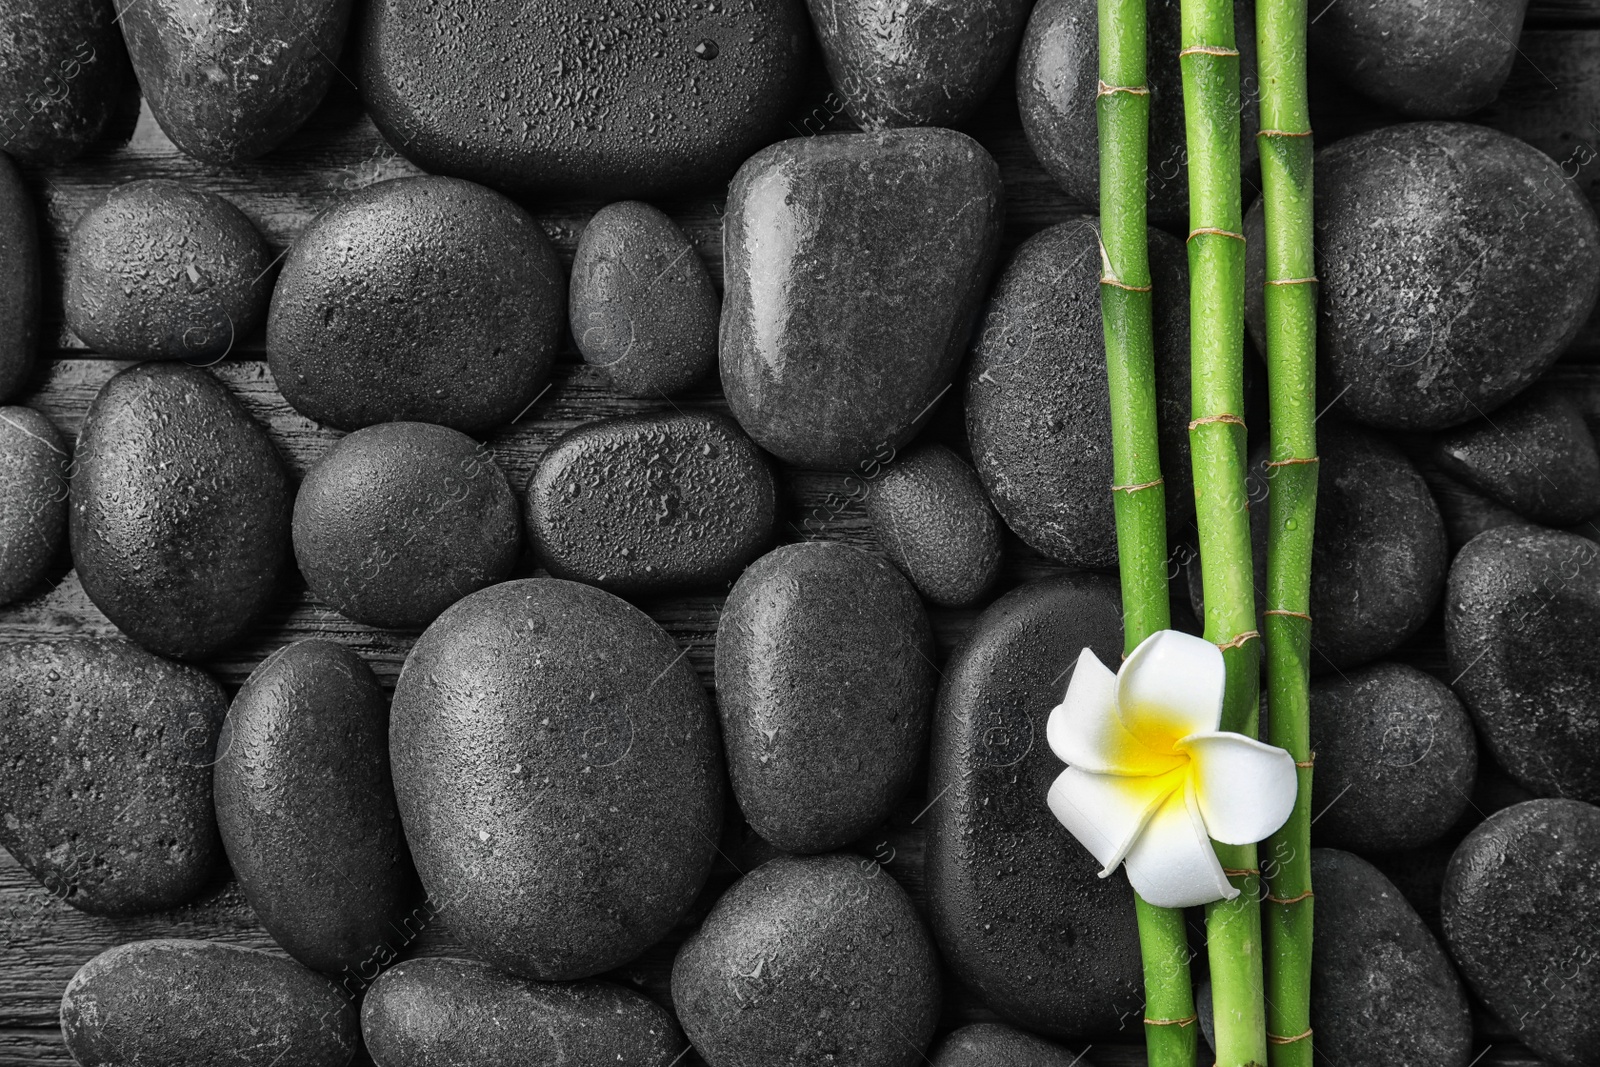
(1123, 112)
(1210, 62)
(1291, 307)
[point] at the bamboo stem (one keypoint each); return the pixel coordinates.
(1138, 498)
(1210, 62)
(1291, 305)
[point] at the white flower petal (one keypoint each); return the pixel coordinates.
(1170, 687)
(1107, 812)
(1085, 730)
(1246, 789)
(1172, 864)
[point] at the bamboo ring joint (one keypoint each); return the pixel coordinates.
(1190, 1021)
(1111, 90)
(1240, 872)
(1287, 612)
(1313, 280)
(1295, 461)
(1231, 420)
(1208, 50)
(1308, 894)
(1136, 488)
(1240, 640)
(1283, 133)
(1125, 286)
(1214, 231)
(1276, 1040)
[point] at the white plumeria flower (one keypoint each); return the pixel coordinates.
(1150, 780)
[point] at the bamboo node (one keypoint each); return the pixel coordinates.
(1295, 461)
(1132, 90)
(1313, 280)
(1286, 611)
(1283, 133)
(1240, 872)
(1125, 286)
(1189, 1021)
(1240, 640)
(1136, 488)
(1231, 420)
(1276, 1040)
(1307, 765)
(1307, 895)
(1214, 231)
(1208, 50)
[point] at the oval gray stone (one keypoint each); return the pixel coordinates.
(384, 311)
(582, 97)
(825, 676)
(189, 1003)
(34, 467)
(1038, 414)
(1520, 615)
(998, 1045)
(1382, 990)
(559, 779)
(827, 355)
(106, 795)
(1521, 908)
(180, 510)
(935, 522)
(63, 75)
(648, 504)
(444, 1012)
(641, 303)
(809, 959)
(1019, 912)
(1536, 456)
(1396, 758)
(19, 281)
(162, 270)
(306, 807)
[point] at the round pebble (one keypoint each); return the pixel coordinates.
(935, 522)
(1535, 455)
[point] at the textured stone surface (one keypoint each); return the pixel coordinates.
(1382, 990)
(828, 355)
(641, 303)
(1456, 263)
(63, 72)
(443, 1012)
(1521, 908)
(398, 521)
(1038, 415)
(1057, 79)
(1015, 903)
(306, 807)
(558, 775)
(925, 63)
(106, 791)
(1535, 456)
(601, 99)
(198, 1003)
(934, 520)
(652, 503)
(163, 270)
(1437, 59)
(34, 467)
(229, 82)
(998, 1045)
(387, 308)
(19, 280)
(809, 960)
(180, 506)
(1520, 615)
(1396, 758)
(825, 677)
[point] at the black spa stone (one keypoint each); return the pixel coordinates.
(825, 678)
(558, 775)
(1396, 758)
(1382, 990)
(106, 795)
(598, 99)
(34, 466)
(1535, 455)
(829, 356)
(1019, 912)
(649, 504)
(998, 1045)
(935, 522)
(931, 64)
(1038, 416)
(445, 1012)
(1520, 617)
(19, 280)
(63, 75)
(427, 299)
(180, 507)
(186, 1003)
(306, 808)
(847, 974)
(641, 304)
(1455, 264)
(1521, 907)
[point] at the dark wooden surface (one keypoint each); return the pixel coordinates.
(43, 940)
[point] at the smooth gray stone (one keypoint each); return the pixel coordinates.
(63, 74)
(1535, 455)
(34, 467)
(935, 522)
(998, 1045)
